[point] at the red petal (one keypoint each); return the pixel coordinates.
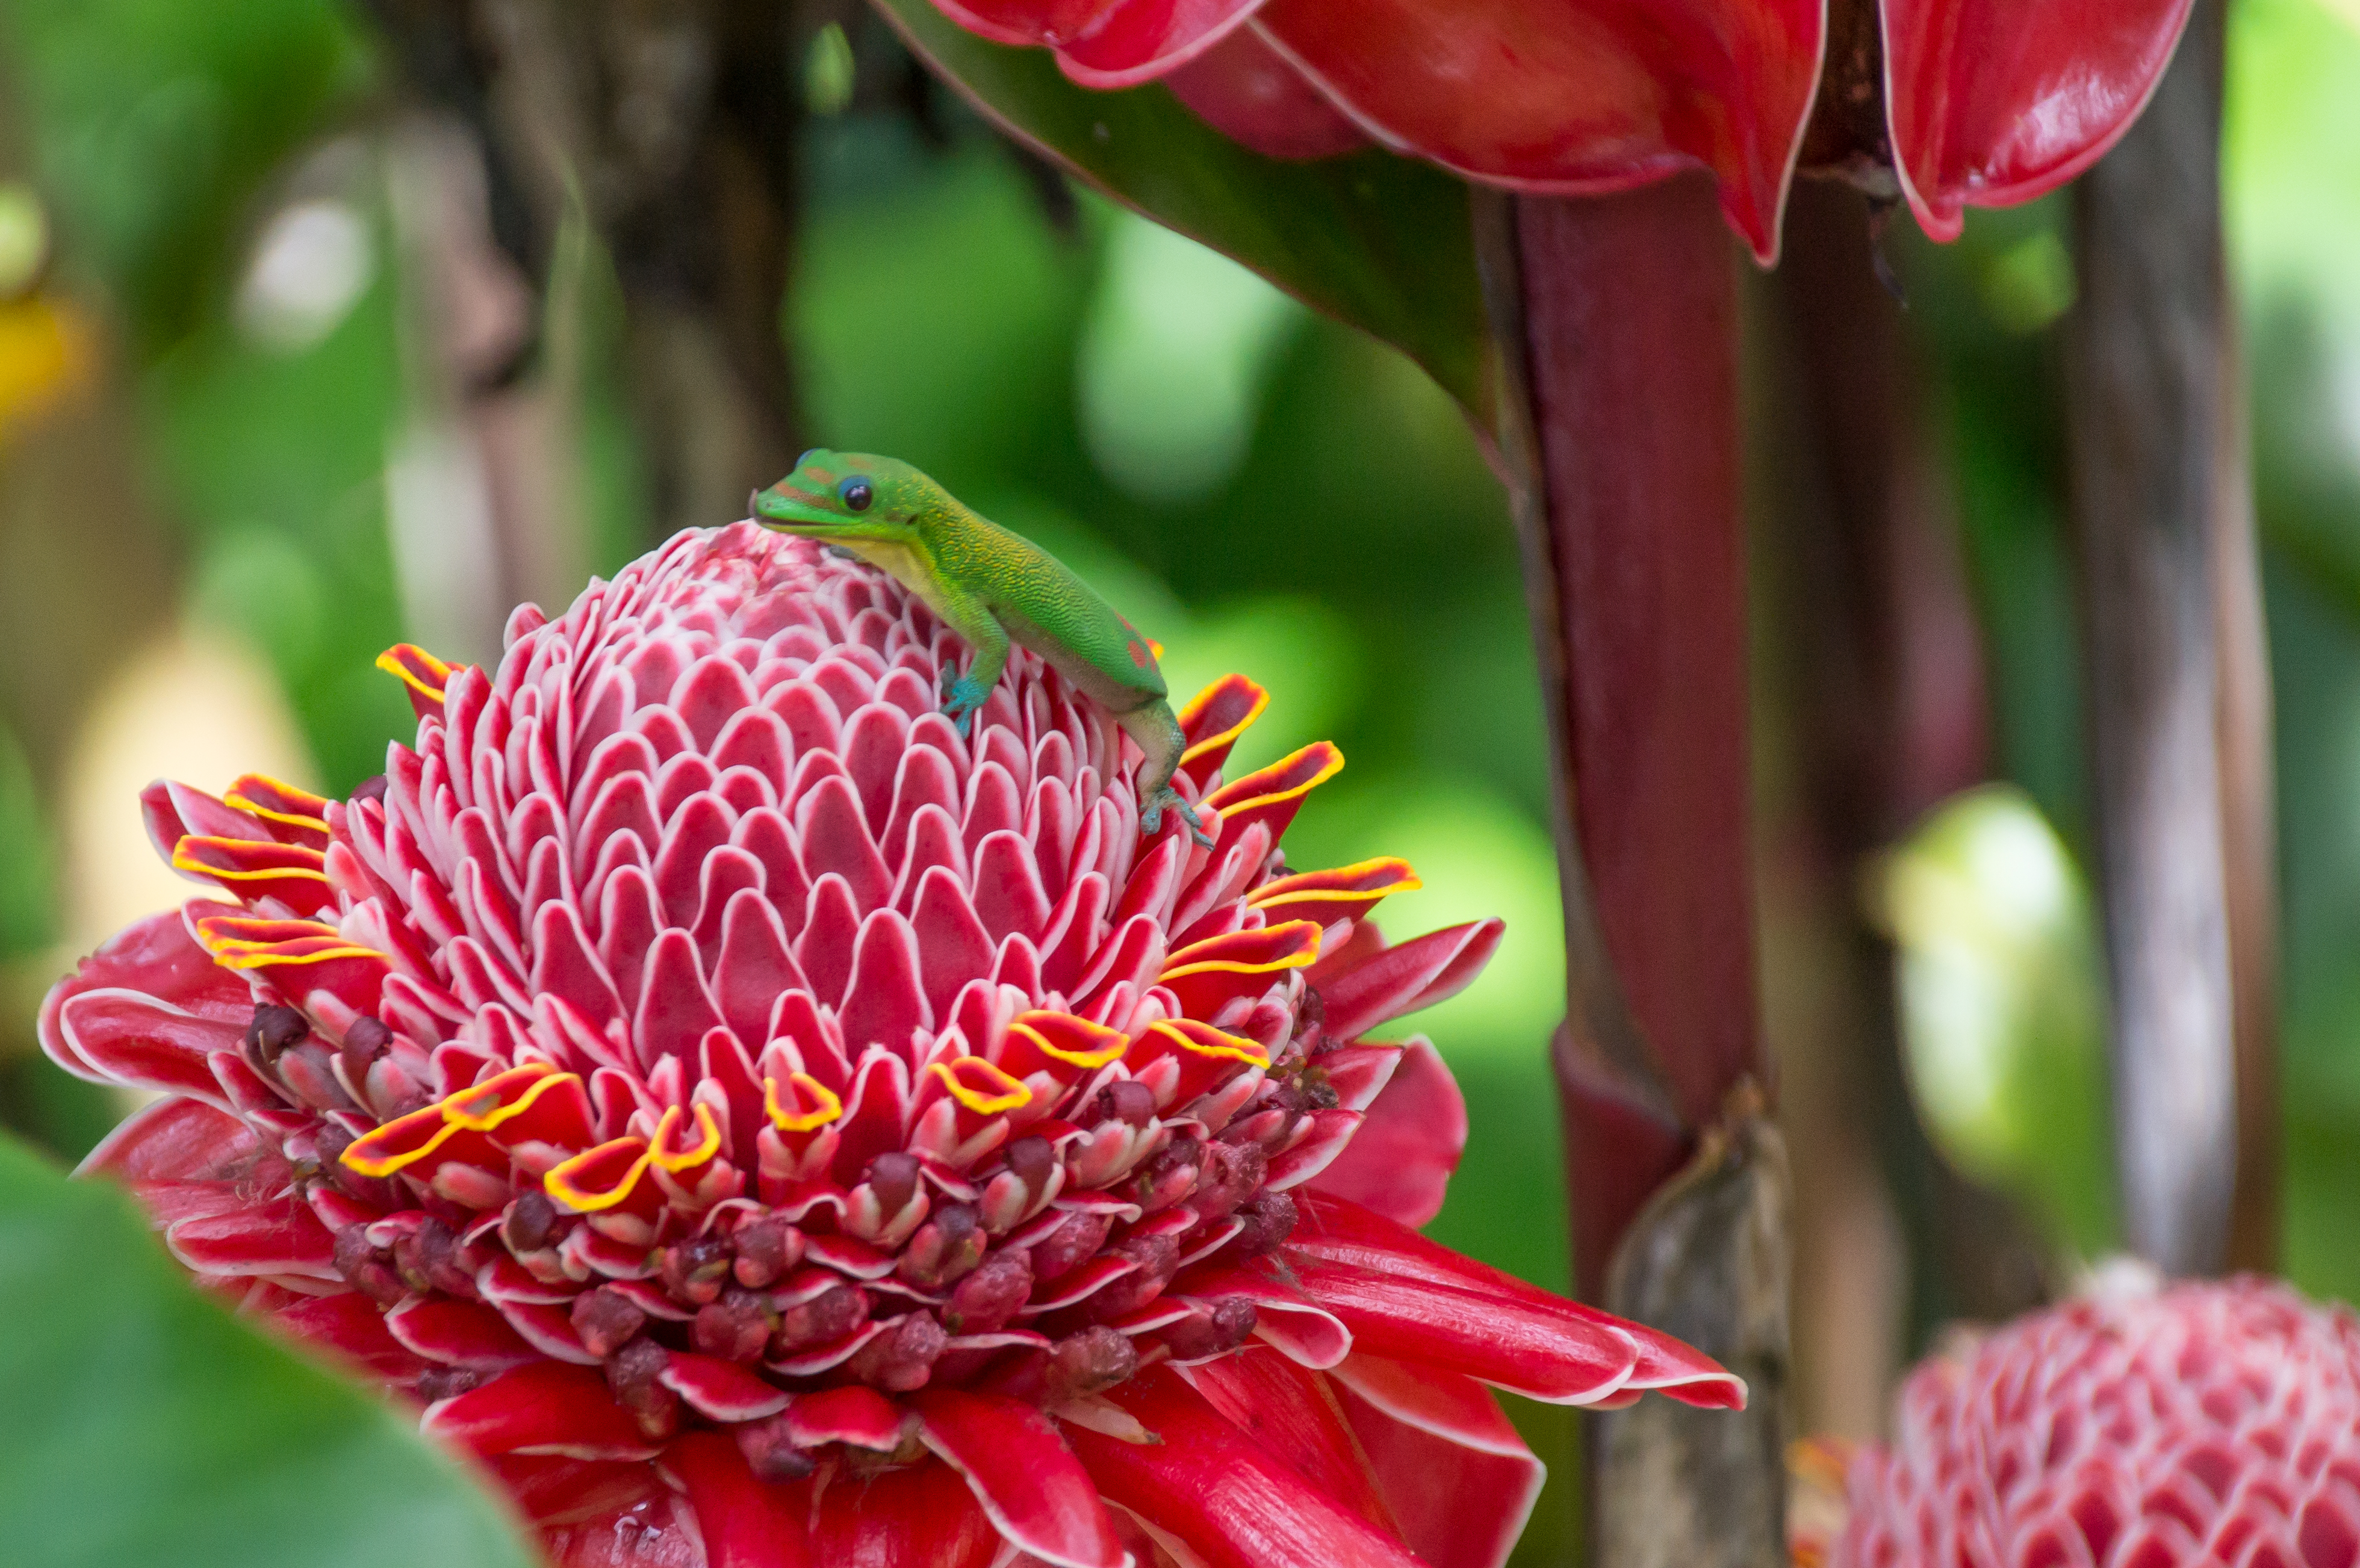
(1245, 89)
(1994, 103)
(1540, 1354)
(1206, 975)
(1399, 1163)
(172, 1140)
(1034, 1490)
(1290, 1410)
(1217, 715)
(1335, 1233)
(253, 868)
(423, 675)
(1290, 1322)
(745, 1523)
(1272, 795)
(1107, 44)
(351, 1326)
(1397, 980)
(1209, 1486)
(552, 1491)
(862, 1417)
(919, 1517)
(721, 1389)
(546, 1408)
(127, 1036)
(1342, 893)
(156, 957)
(1459, 1480)
(1579, 97)
(460, 1333)
(278, 1236)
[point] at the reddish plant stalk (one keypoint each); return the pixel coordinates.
(1617, 323)
(2157, 467)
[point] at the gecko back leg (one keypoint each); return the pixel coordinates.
(1161, 741)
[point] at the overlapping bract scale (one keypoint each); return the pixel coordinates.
(2207, 1422)
(704, 1080)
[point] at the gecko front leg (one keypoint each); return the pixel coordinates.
(1161, 742)
(973, 620)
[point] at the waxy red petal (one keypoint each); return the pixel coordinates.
(545, 1407)
(1214, 718)
(1459, 1481)
(1291, 1411)
(1218, 1492)
(1036, 1492)
(1579, 97)
(172, 1139)
(125, 1037)
(1540, 1354)
(1287, 1320)
(280, 1237)
(554, 1491)
(745, 1523)
(1398, 980)
(859, 1416)
(1400, 1162)
(1333, 1231)
(1993, 103)
(723, 1391)
(159, 957)
(921, 1516)
(1247, 90)
(1106, 43)
(351, 1326)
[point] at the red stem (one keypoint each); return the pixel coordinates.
(1619, 317)
(1630, 306)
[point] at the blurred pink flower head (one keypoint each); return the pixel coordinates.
(766, 1128)
(1986, 103)
(2203, 1423)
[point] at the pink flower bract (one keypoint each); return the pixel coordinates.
(768, 1129)
(2205, 1423)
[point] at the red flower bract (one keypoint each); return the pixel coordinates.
(1988, 102)
(2205, 1423)
(761, 1124)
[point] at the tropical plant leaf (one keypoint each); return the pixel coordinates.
(1380, 242)
(147, 1425)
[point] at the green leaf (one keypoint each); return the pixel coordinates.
(146, 1425)
(1380, 242)
(153, 122)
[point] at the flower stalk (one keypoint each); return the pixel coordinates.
(1615, 321)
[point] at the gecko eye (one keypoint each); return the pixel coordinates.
(857, 492)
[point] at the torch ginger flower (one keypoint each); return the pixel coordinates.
(2209, 1423)
(761, 1125)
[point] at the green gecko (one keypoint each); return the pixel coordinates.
(990, 586)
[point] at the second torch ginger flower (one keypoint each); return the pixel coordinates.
(761, 1124)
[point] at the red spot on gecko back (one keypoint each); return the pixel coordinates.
(1138, 653)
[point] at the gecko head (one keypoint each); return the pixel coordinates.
(848, 496)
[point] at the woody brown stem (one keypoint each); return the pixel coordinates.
(2159, 483)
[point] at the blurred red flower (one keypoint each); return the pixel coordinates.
(1987, 101)
(767, 1128)
(2209, 1423)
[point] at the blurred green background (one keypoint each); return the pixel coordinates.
(269, 381)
